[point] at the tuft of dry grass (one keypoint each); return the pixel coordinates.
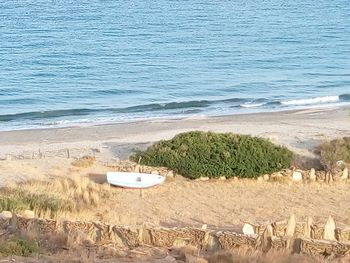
(280, 179)
(84, 162)
(53, 198)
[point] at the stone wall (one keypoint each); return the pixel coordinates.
(306, 238)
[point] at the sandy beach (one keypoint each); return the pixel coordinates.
(42, 154)
(299, 130)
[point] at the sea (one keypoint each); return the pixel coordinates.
(86, 62)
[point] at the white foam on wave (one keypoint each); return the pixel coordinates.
(252, 105)
(318, 100)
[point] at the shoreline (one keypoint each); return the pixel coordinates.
(299, 130)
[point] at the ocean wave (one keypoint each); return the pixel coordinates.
(311, 101)
(252, 105)
(35, 115)
(187, 108)
(344, 97)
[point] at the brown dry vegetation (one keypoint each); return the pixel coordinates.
(84, 162)
(55, 198)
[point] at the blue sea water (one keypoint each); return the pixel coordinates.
(71, 62)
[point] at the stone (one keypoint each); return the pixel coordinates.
(170, 174)
(195, 259)
(137, 168)
(278, 174)
(235, 178)
(329, 229)
(168, 259)
(5, 215)
(204, 178)
(345, 174)
(222, 178)
(260, 179)
(28, 214)
(266, 177)
(291, 226)
(297, 176)
(248, 230)
(205, 226)
(308, 227)
(312, 174)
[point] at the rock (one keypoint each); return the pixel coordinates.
(345, 174)
(211, 242)
(278, 174)
(297, 176)
(204, 178)
(205, 226)
(266, 177)
(291, 226)
(222, 178)
(235, 178)
(341, 164)
(195, 259)
(28, 214)
(170, 174)
(5, 215)
(329, 229)
(312, 174)
(137, 168)
(260, 179)
(248, 230)
(308, 227)
(155, 172)
(167, 259)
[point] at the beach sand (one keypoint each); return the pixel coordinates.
(42, 154)
(299, 130)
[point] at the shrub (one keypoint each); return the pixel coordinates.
(196, 154)
(333, 151)
(84, 162)
(18, 247)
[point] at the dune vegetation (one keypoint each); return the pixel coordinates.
(207, 154)
(52, 198)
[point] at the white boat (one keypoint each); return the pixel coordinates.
(134, 180)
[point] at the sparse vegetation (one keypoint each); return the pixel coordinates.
(333, 151)
(84, 162)
(49, 199)
(18, 247)
(196, 154)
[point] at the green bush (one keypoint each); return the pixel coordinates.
(195, 154)
(18, 247)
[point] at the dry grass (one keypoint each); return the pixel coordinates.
(18, 246)
(60, 196)
(84, 162)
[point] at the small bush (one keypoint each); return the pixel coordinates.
(85, 161)
(333, 151)
(18, 247)
(196, 154)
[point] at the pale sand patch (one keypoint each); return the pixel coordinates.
(298, 130)
(180, 202)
